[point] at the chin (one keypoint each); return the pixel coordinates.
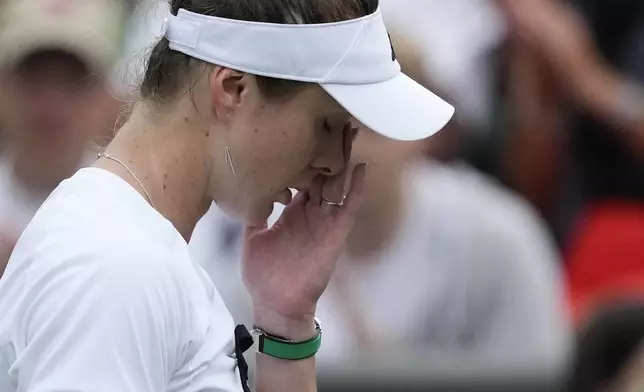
(254, 216)
(259, 215)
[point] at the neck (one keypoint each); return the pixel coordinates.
(169, 157)
(378, 219)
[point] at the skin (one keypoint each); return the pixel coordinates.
(631, 378)
(177, 151)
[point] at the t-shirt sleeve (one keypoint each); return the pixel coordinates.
(112, 325)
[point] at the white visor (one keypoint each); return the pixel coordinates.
(354, 61)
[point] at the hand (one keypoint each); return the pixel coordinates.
(555, 30)
(287, 268)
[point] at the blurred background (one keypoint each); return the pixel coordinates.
(505, 253)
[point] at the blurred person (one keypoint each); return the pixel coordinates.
(593, 50)
(142, 32)
(53, 98)
(608, 355)
(458, 55)
(440, 260)
(631, 377)
(239, 102)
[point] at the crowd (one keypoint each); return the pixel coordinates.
(513, 238)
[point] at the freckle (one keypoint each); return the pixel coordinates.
(256, 130)
(194, 159)
(137, 146)
(283, 133)
(130, 161)
(146, 177)
(165, 176)
(164, 187)
(207, 134)
(185, 119)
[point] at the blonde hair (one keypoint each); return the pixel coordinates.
(409, 55)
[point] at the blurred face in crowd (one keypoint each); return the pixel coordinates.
(51, 105)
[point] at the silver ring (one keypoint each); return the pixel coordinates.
(332, 203)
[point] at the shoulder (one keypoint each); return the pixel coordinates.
(482, 201)
(75, 258)
(494, 223)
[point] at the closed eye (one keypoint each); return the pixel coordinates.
(327, 127)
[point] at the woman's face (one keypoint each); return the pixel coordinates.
(276, 144)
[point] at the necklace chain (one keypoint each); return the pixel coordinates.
(145, 191)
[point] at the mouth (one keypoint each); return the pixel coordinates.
(284, 197)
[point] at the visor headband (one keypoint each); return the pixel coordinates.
(356, 51)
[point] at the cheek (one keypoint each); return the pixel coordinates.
(279, 149)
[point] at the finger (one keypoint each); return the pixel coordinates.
(333, 192)
(356, 191)
(315, 190)
(347, 143)
(251, 230)
(334, 186)
(296, 207)
(285, 198)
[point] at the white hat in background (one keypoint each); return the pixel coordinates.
(92, 30)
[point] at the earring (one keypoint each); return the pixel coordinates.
(229, 160)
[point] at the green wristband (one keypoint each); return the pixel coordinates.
(287, 349)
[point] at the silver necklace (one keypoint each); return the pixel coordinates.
(145, 191)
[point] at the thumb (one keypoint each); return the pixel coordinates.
(250, 230)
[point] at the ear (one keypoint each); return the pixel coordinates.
(227, 89)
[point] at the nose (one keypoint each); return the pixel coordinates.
(334, 155)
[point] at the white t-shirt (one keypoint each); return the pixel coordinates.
(471, 273)
(17, 204)
(100, 294)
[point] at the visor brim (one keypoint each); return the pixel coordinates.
(399, 108)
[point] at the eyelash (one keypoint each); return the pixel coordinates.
(327, 128)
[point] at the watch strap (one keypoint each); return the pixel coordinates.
(286, 349)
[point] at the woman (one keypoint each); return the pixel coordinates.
(100, 293)
(485, 284)
(609, 354)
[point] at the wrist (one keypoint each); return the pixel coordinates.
(293, 327)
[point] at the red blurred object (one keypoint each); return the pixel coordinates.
(605, 260)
